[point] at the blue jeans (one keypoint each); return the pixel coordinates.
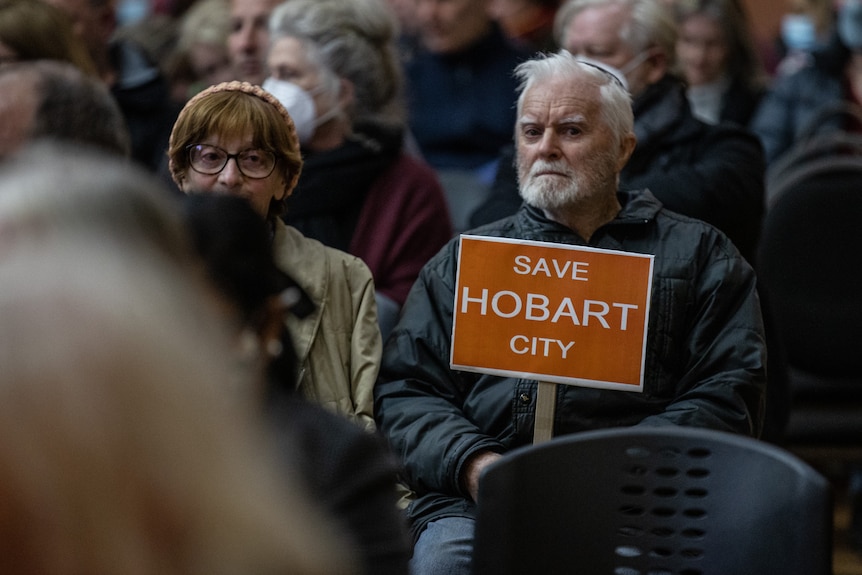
(445, 547)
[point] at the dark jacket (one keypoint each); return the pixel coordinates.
(144, 98)
(352, 473)
(740, 101)
(711, 172)
(705, 355)
(462, 105)
(373, 200)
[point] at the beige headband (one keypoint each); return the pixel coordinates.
(246, 88)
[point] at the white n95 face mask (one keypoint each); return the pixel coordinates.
(299, 104)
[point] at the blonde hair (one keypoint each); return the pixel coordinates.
(650, 24)
(205, 21)
(123, 446)
(233, 109)
(36, 30)
(52, 188)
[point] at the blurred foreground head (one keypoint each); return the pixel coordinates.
(125, 445)
(47, 99)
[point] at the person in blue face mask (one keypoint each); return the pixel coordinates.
(805, 28)
(800, 103)
(334, 66)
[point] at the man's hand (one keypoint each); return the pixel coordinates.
(473, 469)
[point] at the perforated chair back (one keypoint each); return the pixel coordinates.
(653, 501)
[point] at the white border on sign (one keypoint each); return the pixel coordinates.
(597, 384)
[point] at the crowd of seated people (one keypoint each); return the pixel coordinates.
(356, 139)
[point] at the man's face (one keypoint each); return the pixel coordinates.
(566, 151)
(447, 26)
(259, 192)
(595, 33)
(248, 41)
(17, 112)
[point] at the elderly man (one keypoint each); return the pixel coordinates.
(714, 173)
(704, 353)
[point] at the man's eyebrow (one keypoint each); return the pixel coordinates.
(576, 119)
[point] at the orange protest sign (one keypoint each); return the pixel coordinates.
(553, 312)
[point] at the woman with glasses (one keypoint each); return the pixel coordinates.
(235, 138)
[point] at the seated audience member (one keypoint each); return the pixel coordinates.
(713, 173)
(200, 58)
(334, 66)
(235, 138)
(50, 99)
(805, 28)
(800, 103)
(35, 30)
(248, 40)
(134, 80)
(126, 443)
(350, 472)
(51, 189)
(717, 60)
(460, 94)
(705, 352)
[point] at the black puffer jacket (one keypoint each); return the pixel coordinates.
(705, 356)
(711, 172)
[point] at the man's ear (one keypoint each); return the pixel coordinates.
(627, 146)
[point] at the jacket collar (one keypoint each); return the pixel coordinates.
(639, 208)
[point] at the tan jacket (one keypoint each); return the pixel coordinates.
(339, 344)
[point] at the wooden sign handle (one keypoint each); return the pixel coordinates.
(546, 405)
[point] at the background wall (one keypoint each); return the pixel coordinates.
(765, 17)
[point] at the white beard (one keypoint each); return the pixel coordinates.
(567, 186)
(550, 192)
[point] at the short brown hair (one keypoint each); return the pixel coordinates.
(233, 109)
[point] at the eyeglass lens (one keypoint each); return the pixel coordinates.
(210, 160)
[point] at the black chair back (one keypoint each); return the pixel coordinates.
(653, 501)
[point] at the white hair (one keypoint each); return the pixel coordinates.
(650, 24)
(616, 101)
